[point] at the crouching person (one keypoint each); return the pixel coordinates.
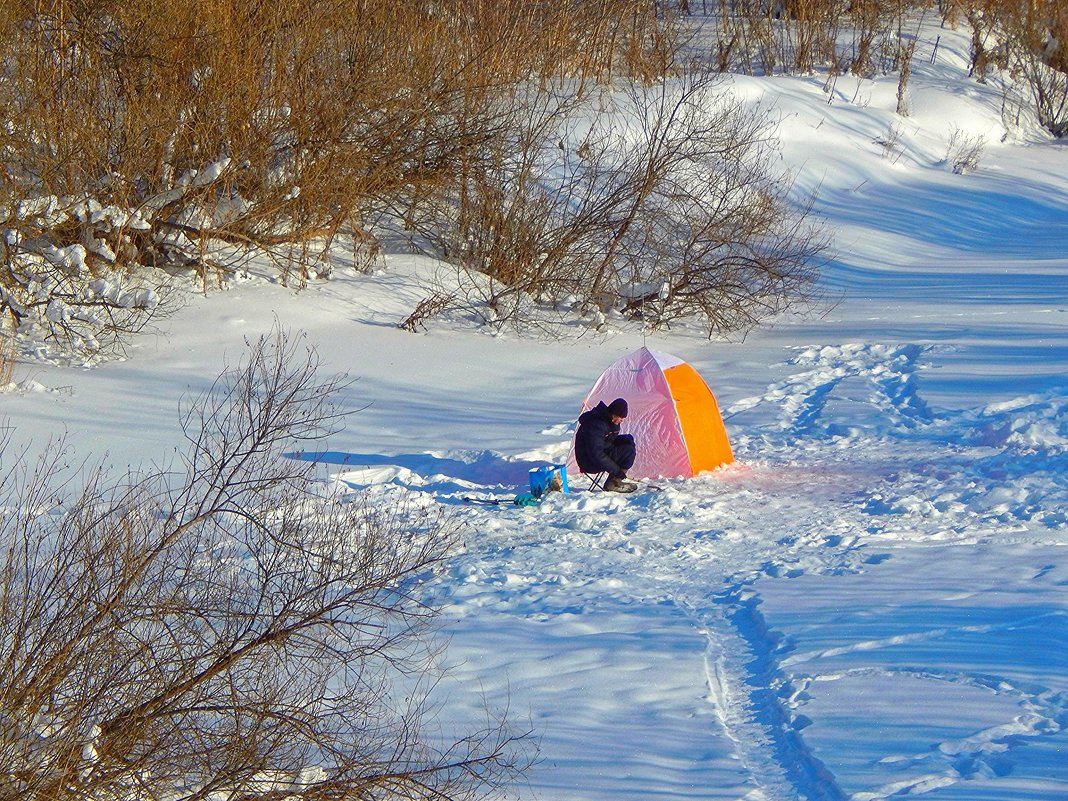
(600, 448)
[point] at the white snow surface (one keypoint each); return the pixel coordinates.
(871, 603)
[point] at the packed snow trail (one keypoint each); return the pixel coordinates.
(744, 687)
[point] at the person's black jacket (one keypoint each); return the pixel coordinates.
(596, 434)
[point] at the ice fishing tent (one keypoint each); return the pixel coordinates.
(673, 415)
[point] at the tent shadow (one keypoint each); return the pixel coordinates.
(485, 467)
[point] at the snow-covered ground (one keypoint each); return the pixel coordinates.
(872, 602)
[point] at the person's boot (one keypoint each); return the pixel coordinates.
(613, 484)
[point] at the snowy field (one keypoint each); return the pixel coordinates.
(871, 603)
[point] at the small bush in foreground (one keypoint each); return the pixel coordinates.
(221, 631)
(964, 152)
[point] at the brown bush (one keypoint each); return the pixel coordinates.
(665, 208)
(186, 136)
(223, 630)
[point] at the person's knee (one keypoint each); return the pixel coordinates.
(624, 451)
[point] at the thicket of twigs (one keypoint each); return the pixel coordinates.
(187, 135)
(141, 140)
(1027, 40)
(222, 630)
(664, 208)
(151, 138)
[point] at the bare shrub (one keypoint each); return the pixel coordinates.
(516, 225)
(430, 306)
(187, 137)
(964, 152)
(1049, 93)
(211, 132)
(890, 142)
(1030, 40)
(221, 630)
(800, 35)
(56, 297)
(703, 220)
(669, 193)
(1033, 46)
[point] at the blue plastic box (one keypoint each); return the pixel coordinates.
(542, 479)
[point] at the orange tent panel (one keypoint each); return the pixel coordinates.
(702, 425)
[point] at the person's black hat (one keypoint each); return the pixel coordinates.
(618, 407)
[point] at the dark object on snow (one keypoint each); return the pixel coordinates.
(618, 408)
(599, 447)
(614, 484)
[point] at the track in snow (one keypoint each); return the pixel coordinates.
(863, 463)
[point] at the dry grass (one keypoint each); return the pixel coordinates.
(273, 123)
(185, 135)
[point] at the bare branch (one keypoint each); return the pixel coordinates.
(223, 628)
